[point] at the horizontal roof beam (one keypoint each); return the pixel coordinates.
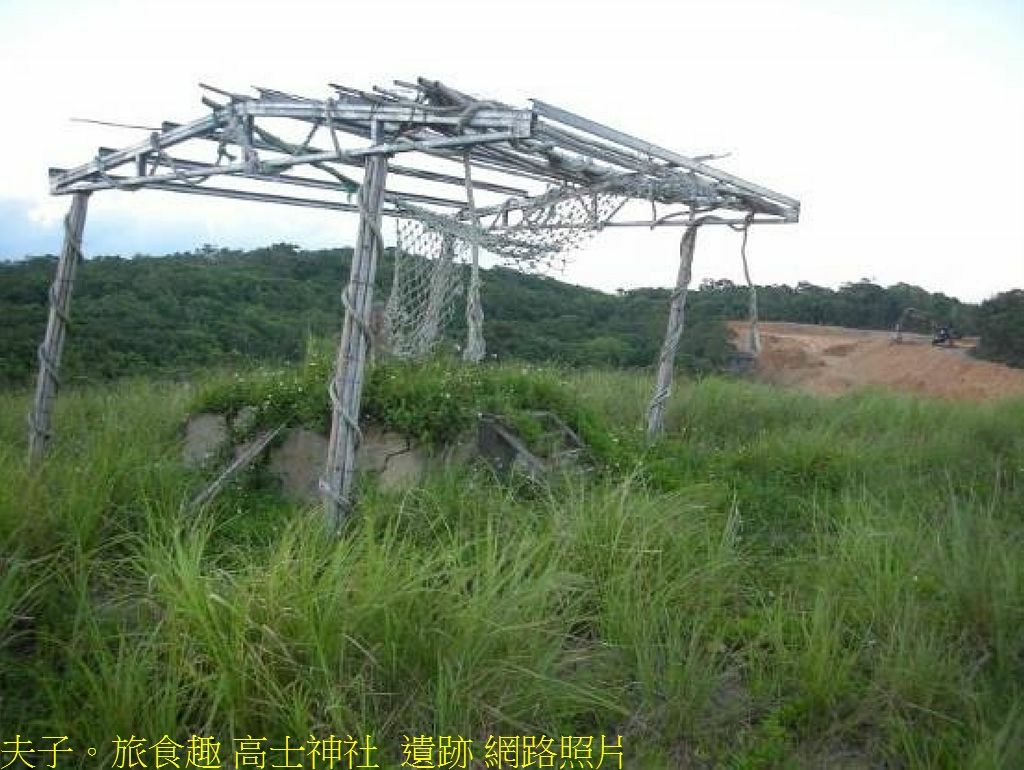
(584, 124)
(112, 182)
(519, 122)
(324, 184)
(286, 200)
(396, 169)
(162, 141)
(61, 183)
(516, 124)
(570, 154)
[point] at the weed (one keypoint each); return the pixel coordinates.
(778, 574)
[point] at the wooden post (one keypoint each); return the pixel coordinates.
(475, 345)
(347, 386)
(50, 350)
(676, 322)
(753, 333)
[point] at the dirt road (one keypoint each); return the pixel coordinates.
(830, 359)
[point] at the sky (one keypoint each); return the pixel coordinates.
(898, 124)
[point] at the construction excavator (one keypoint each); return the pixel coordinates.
(942, 334)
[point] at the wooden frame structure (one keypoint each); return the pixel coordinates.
(405, 151)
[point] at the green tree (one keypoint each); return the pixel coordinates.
(1001, 324)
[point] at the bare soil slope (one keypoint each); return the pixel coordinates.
(831, 359)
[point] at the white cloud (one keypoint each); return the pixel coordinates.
(897, 124)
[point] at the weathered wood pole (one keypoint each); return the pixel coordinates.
(753, 333)
(346, 388)
(673, 333)
(52, 347)
(476, 348)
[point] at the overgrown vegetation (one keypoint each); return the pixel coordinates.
(1001, 324)
(175, 315)
(783, 581)
(436, 403)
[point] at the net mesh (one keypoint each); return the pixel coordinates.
(426, 285)
(433, 251)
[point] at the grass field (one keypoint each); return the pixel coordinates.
(782, 581)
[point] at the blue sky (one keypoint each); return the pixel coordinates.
(898, 124)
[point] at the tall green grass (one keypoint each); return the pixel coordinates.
(781, 581)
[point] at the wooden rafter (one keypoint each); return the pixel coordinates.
(427, 120)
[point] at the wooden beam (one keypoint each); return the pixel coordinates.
(476, 347)
(217, 192)
(519, 122)
(673, 333)
(647, 223)
(164, 139)
(62, 182)
(244, 459)
(218, 137)
(583, 124)
(390, 196)
(398, 170)
(52, 347)
(347, 385)
(397, 199)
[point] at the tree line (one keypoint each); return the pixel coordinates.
(172, 315)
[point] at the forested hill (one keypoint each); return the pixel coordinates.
(171, 315)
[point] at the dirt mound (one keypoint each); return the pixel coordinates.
(830, 359)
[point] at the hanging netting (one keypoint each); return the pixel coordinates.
(433, 258)
(427, 283)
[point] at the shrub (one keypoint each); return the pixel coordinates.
(1001, 324)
